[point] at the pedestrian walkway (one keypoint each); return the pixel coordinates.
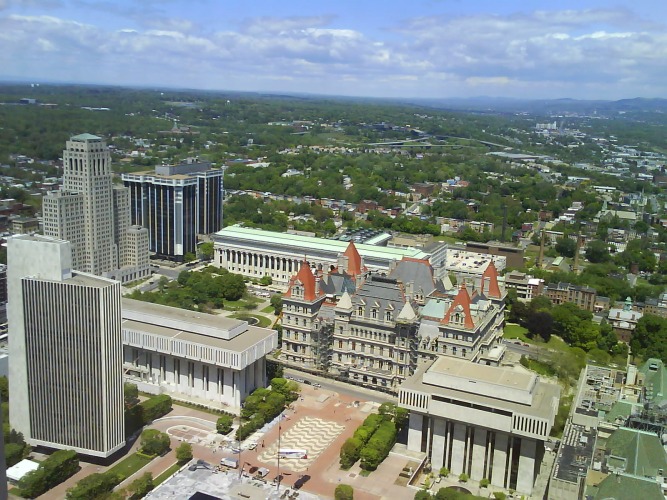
(311, 434)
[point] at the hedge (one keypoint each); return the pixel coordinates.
(92, 486)
(378, 446)
(61, 465)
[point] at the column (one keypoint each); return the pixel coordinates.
(415, 431)
(458, 448)
(526, 477)
(439, 442)
(499, 459)
(478, 454)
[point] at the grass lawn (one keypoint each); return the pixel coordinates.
(245, 304)
(267, 309)
(514, 331)
(166, 474)
(263, 321)
(129, 465)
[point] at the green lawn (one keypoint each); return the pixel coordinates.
(514, 331)
(245, 304)
(166, 474)
(267, 309)
(263, 321)
(129, 465)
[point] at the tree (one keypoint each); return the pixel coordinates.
(266, 280)
(206, 250)
(93, 486)
(422, 495)
(140, 487)
(277, 303)
(4, 389)
(184, 453)
(131, 394)
(649, 339)
(540, 323)
(566, 247)
(344, 492)
(349, 452)
(597, 252)
(189, 257)
(154, 442)
(224, 424)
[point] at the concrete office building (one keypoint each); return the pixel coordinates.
(93, 215)
(257, 253)
(177, 203)
(65, 368)
(193, 356)
(484, 421)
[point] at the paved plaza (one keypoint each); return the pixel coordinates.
(309, 433)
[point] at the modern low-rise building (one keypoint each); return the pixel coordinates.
(482, 421)
(193, 356)
(256, 253)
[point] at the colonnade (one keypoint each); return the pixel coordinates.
(257, 265)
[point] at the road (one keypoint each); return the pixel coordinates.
(523, 350)
(358, 393)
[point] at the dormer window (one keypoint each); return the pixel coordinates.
(374, 313)
(388, 316)
(360, 311)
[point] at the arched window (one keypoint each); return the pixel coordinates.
(388, 316)
(360, 311)
(374, 313)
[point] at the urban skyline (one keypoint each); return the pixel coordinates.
(437, 49)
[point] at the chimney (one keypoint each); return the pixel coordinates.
(342, 263)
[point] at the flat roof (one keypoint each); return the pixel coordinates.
(447, 370)
(17, 471)
(240, 233)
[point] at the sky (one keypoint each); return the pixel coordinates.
(538, 49)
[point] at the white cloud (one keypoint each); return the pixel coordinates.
(542, 52)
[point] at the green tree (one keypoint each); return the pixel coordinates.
(649, 339)
(422, 495)
(566, 247)
(184, 453)
(224, 424)
(206, 250)
(266, 280)
(140, 487)
(277, 303)
(154, 442)
(131, 394)
(189, 257)
(4, 389)
(93, 486)
(349, 452)
(597, 252)
(344, 492)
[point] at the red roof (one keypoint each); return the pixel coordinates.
(492, 273)
(306, 278)
(353, 260)
(462, 299)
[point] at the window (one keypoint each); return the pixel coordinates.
(388, 316)
(374, 313)
(340, 344)
(360, 311)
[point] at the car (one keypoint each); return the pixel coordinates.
(526, 345)
(317, 386)
(307, 382)
(252, 445)
(517, 342)
(235, 450)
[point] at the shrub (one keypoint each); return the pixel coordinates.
(184, 453)
(154, 442)
(140, 487)
(499, 495)
(155, 407)
(422, 495)
(444, 471)
(61, 465)
(349, 452)
(378, 446)
(224, 424)
(484, 483)
(463, 477)
(93, 486)
(344, 492)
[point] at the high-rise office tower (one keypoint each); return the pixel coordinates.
(65, 357)
(94, 215)
(176, 203)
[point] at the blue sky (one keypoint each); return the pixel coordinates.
(588, 49)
